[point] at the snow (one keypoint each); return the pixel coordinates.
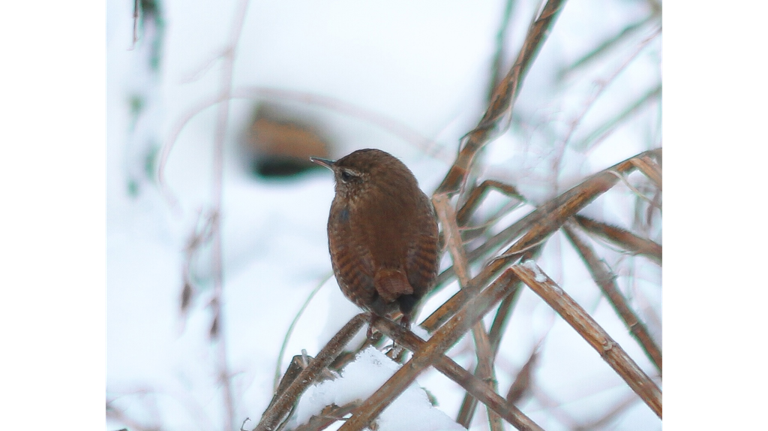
(538, 275)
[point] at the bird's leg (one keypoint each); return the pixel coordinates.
(405, 321)
(370, 335)
(396, 352)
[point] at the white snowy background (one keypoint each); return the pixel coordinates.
(425, 66)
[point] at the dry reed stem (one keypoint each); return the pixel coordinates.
(605, 279)
(295, 367)
(473, 385)
(546, 219)
(523, 380)
(502, 99)
(650, 169)
(622, 238)
(450, 308)
(447, 217)
(478, 193)
(498, 328)
(280, 409)
(452, 237)
(441, 341)
(550, 216)
(454, 303)
(497, 65)
(595, 335)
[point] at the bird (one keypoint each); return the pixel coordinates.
(382, 234)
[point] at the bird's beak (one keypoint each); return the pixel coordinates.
(323, 162)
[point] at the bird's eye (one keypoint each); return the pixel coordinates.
(346, 176)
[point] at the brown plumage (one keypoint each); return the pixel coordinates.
(382, 234)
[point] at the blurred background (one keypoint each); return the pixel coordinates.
(216, 220)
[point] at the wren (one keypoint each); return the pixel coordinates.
(382, 234)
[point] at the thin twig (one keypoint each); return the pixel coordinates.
(600, 86)
(292, 326)
(228, 63)
(602, 132)
(616, 40)
(135, 23)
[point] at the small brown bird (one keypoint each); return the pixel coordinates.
(382, 234)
